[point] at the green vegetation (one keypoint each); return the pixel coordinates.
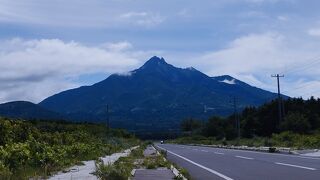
(118, 171)
(122, 168)
(183, 173)
(260, 126)
(39, 148)
(284, 139)
(154, 162)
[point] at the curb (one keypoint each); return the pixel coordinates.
(260, 149)
(174, 170)
(133, 172)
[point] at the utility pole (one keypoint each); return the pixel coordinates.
(280, 108)
(236, 116)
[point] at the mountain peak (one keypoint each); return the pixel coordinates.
(155, 61)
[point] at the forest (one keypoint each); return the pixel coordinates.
(300, 126)
(39, 148)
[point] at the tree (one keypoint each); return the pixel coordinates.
(190, 125)
(250, 126)
(296, 122)
(215, 127)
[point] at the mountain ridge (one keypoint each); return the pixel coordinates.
(27, 110)
(157, 91)
(155, 97)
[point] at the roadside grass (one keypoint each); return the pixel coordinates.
(284, 139)
(163, 153)
(155, 162)
(182, 173)
(118, 171)
(38, 149)
(121, 169)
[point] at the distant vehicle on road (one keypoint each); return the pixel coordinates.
(161, 142)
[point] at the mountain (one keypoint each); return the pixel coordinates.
(27, 110)
(157, 96)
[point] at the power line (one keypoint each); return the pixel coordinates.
(300, 68)
(310, 93)
(306, 84)
(299, 87)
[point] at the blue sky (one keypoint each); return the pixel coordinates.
(52, 45)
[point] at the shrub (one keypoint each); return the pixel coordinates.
(296, 122)
(154, 162)
(29, 148)
(4, 171)
(163, 153)
(290, 139)
(111, 172)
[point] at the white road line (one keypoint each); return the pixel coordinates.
(199, 165)
(204, 151)
(292, 165)
(243, 157)
(271, 154)
(219, 153)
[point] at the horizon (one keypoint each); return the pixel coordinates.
(230, 89)
(129, 73)
(48, 46)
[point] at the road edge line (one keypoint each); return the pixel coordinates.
(199, 165)
(297, 166)
(243, 157)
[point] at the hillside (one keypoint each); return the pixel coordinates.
(27, 110)
(157, 96)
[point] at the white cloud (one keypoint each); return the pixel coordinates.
(134, 14)
(232, 81)
(260, 52)
(142, 18)
(282, 18)
(253, 58)
(262, 1)
(78, 14)
(53, 13)
(254, 14)
(119, 46)
(184, 13)
(34, 69)
(314, 32)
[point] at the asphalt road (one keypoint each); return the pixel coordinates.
(206, 163)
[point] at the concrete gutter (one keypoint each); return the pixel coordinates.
(177, 173)
(158, 173)
(261, 149)
(310, 153)
(84, 172)
(174, 170)
(282, 150)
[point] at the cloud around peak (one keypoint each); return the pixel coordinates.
(34, 69)
(254, 57)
